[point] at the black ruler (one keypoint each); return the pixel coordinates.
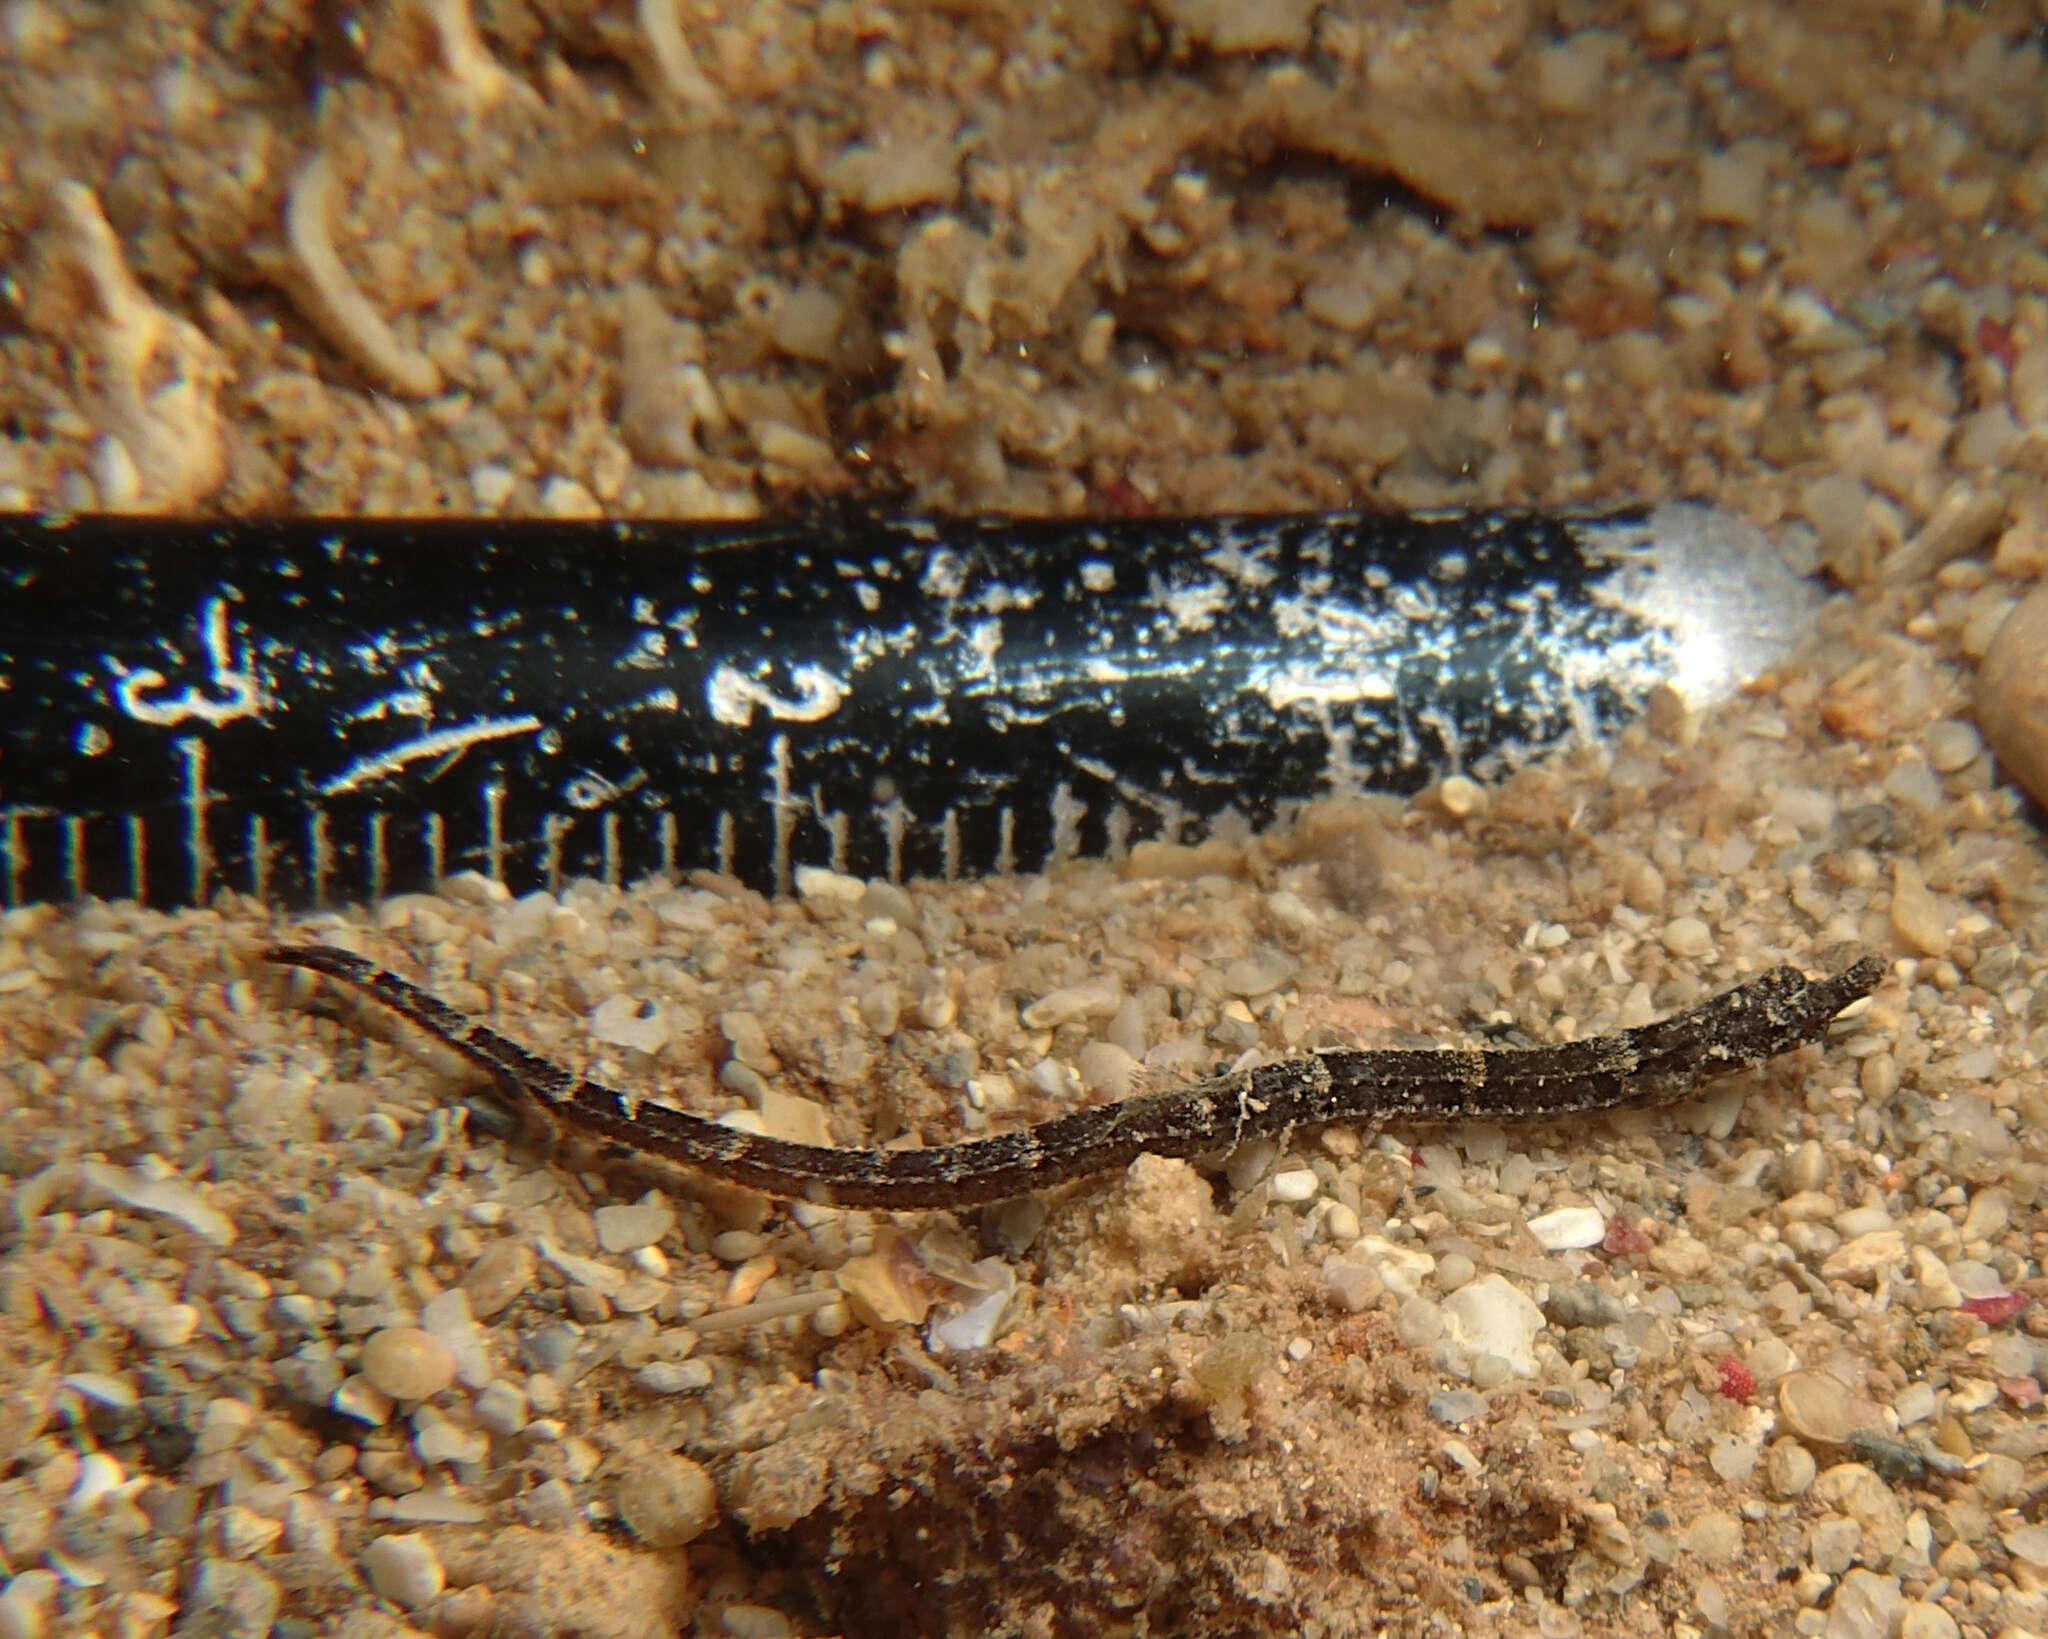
(317, 711)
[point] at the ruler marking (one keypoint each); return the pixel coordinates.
(722, 852)
(608, 834)
(320, 851)
(437, 848)
(494, 831)
(1117, 830)
(895, 822)
(781, 811)
(551, 828)
(74, 855)
(949, 845)
(1006, 841)
(379, 864)
(258, 844)
(14, 855)
(198, 846)
(665, 835)
(138, 859)
(836, 828)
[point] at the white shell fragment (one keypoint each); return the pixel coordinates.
(1568, 1228)
(169, 1195)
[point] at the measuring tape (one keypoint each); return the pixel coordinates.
(313, 711)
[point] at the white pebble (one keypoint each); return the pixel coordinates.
(1492, 1316)
(629, 1021)
(1295, 1184)
(818, 886)
(405, 1570)
(1401, 1269)
(973, 1322)
(167, 1325)
(1568, 1228)
(99, 1476)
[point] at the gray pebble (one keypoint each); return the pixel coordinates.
(1457, 1406)
(1009, 1227)
(1259, 973)
(886, 899)
(501, 1407)
(1106, 1069)
(1581, 1303)
(674, 1376)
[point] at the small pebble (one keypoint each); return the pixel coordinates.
(1805, 1168)
(1454, 1270)
(1492, 1316)
(1917, 915)
(1256, 975)
(1818, 1407)
(501, 1272)
(1733, 1458)
(753, 1622)
(1460, 796)
(630, 1021)
(1789, 1469)
(666, 1500)
(1687, 936)
(1296, 1184)
(627, 1228)
(167, 1325)
(2012, 694)
(1715, 1537)
(1862, 1260)
(1105, 1069)
(1352, 1284)
(405, 1570)
(408, 1363)
(1418, 1323)
(1250, 1162)
(501, 1407)
(1569, 1228)
(1456, 1406)
(1581, 1303)
(1952, 746)
(1926, 1620)
(674, 1376)
(2027, 1542)
(817, 886)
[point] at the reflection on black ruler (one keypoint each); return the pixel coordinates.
(313, 711)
